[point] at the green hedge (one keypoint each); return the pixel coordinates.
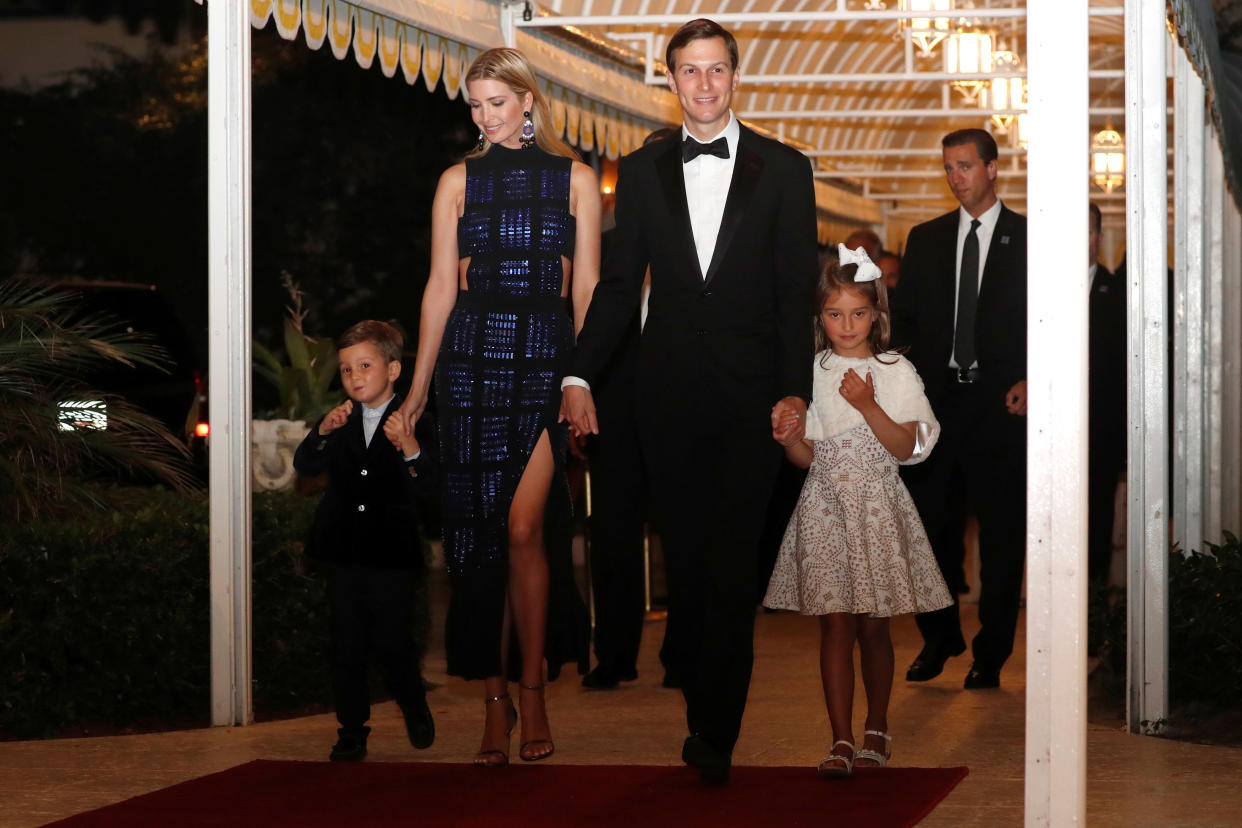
(1205, 645)
(105, 620)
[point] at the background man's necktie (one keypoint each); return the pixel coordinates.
(967, 299)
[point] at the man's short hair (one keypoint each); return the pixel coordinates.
(1097, 218)
(868, 240)
(659, 134)
(701, 29)
(383, 335)
(984, 143)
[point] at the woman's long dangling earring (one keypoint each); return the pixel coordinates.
(528, 131)
(482, 142)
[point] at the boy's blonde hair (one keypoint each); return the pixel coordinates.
(837, 276)
(383, 335)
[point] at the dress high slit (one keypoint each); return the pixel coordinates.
(504, 351)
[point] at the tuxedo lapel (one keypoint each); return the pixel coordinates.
(746, 172)
(673, 181)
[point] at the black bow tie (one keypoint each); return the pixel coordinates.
(692, 149)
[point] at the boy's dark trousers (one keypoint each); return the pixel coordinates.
(372, 613)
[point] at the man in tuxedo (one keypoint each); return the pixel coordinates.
(1106, 420)
(726, 220)
(962, 312)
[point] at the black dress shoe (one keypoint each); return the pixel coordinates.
(713, 764)
(419, 725)
(606, 678)
(981, 678)
(929, 663)
(351, 745)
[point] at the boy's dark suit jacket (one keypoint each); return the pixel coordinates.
(718, 351)
(369, 514)
(926, 306)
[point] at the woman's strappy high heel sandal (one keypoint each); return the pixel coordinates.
(834, 765)
(498, 758)
(535, 749)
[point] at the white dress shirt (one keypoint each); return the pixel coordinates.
(987, 223)
(707, 187)
(371, 418)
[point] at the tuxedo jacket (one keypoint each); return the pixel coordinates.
(369, 514)
(734, 340)
(925, 306)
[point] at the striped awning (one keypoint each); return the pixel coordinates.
(593, 103)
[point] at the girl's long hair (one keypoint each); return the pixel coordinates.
(837, 276)
(510, 67)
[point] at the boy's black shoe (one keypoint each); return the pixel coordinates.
(419, 724)
(351, 745)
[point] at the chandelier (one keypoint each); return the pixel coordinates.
(968, 53)
(1108, 159)
(928, 31)
(1006, 93)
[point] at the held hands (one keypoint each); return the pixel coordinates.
(1015, 399)
(858, 393)
(578, 407)
(411, 410)
(789, 421)
(335, 418)
(399, 430)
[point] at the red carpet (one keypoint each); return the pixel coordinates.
(310, 794)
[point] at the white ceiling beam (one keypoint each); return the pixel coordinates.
(942, 112)
(840, 16)
(903, 77)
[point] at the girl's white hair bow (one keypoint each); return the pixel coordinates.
(867, 270)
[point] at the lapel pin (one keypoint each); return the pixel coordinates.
(1004, 240)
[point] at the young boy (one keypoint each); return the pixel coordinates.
(366, 532)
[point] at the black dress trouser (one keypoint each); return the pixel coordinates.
(618, 491)
(372, 614)
(979, 464)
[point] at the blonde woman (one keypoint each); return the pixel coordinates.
(515, 246)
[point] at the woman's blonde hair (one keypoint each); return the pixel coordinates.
(510, 67)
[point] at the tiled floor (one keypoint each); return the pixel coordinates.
(1132, 780)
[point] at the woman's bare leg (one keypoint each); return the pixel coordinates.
(528, 590)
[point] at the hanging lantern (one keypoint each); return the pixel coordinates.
(1006, 93)
(968, 53)
(928, 31)
(1108, 160)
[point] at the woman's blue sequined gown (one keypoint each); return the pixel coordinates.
(498, 375)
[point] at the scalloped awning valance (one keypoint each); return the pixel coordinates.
(592, 102)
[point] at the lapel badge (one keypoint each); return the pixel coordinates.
(1004, 240)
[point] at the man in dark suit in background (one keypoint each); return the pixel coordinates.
(726, 220)
(618, 496)
(1106, 419)
(962, 312)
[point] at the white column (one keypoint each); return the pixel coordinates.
(1213, 260)
(1231, 374)
(1188, 329)
(1146, 274)
(1057, 296)
(228, 298)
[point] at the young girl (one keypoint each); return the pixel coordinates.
(855, 552)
